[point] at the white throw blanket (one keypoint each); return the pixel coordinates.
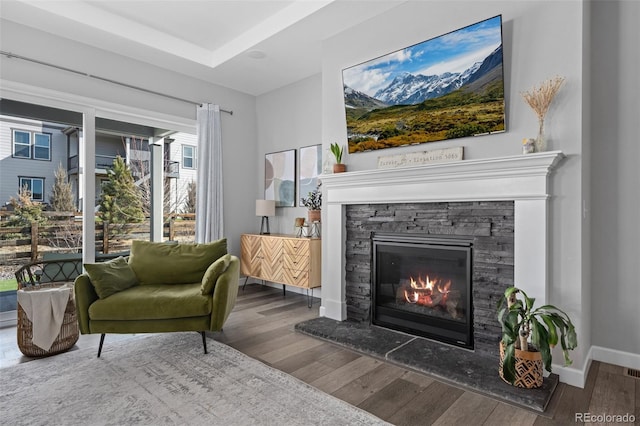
(45, 309)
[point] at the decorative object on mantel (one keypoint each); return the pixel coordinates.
(528, 145)
(265, 208)
(313, 201)
(539, 99)
(521, 363)
(337, 152)
(418, 158)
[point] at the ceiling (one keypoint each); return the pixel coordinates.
(253, 46)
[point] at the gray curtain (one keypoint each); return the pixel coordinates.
(209, 193)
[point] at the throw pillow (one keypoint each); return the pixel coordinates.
(162, 263)
(212, 274)
(111, 277)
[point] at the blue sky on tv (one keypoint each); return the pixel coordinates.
(452, 52)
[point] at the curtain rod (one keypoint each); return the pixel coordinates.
(108, 80)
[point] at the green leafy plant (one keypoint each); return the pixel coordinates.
(314, 200)
(337, 151)
(544, 326)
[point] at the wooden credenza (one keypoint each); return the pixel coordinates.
(281, 259)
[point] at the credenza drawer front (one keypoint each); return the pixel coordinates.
(296, 277)
(298, 247)
(296, 262)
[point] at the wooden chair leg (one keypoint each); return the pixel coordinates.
(101, 342)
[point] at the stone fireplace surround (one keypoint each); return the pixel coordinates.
(522, 179)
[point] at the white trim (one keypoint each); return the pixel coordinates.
(573, 376)
(616, 357)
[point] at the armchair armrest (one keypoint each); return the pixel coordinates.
(225, 294)
(85, 295)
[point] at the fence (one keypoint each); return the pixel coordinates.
(63, 231)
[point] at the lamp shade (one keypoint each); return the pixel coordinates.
(265, 208)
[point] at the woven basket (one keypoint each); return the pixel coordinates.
(528, 368)
(68, 331)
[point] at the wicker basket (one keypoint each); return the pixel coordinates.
(68, 331)
(528, 368)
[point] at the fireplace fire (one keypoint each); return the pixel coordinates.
(422, 285)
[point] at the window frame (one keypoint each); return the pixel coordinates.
(32, 179)
(193, 157)
(14, 143)
(49, 137)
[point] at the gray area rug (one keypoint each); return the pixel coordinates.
(163, 380)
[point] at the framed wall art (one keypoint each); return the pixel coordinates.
(309, 168)
(280, 178)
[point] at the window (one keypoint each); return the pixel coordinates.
(22, 148)
(42, 146)
(21, 144)
(34, 185)
(188, 157)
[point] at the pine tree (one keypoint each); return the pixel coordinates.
(61, 198)
(120, 201)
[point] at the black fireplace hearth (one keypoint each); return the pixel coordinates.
(422, 285)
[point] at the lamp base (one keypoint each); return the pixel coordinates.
(264, 226)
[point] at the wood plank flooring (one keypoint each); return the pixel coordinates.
(262, 326)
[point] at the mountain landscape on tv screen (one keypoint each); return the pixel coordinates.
(414, 107)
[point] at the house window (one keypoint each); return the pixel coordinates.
(23, 148)
(41, 146)
(34, 185)
(21, 144)
(188, 157)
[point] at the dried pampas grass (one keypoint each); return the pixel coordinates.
(540, 98)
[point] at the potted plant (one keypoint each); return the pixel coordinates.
(313, 201)
(337, 151)
(528, 335)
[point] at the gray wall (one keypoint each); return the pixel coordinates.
(238, 131)
(615, 127)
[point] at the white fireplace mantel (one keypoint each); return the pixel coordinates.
(521, 178)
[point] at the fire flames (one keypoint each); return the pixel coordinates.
(428, 292)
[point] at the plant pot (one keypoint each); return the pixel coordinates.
(528, 368)
(339, 168)
(314, 216)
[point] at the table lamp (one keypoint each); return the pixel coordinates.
(265, 208)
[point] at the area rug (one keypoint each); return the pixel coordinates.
(163, 380)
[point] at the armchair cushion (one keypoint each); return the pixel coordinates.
(111, 277)
(160, 263)
(213, 273)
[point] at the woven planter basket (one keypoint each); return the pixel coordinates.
(68, 331)
(528, 368)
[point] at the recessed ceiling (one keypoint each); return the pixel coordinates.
(253, 46)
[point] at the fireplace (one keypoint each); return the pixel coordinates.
(422, 285)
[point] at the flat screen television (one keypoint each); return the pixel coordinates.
(447, 87)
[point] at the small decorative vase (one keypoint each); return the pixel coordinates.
(314, 216)
(541, 141)
(339, 168)
(528, 145)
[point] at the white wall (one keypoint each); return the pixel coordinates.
(288, 118)
(541, 40)
(615, 127)
(238, 130)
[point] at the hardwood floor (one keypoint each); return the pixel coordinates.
(261, 326)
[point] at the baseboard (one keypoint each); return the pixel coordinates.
(616, 357)
(575, 377)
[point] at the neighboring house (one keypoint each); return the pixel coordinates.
(30, 152)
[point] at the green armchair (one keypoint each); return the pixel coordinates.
(160, 288)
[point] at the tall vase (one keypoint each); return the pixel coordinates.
(541, 141)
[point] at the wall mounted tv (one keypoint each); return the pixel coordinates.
(447, 87)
